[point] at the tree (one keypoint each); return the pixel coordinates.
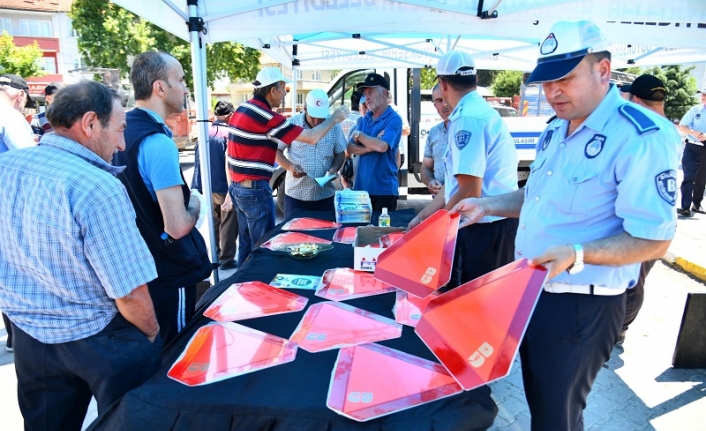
(427, 78)
(486, 77)
(507, 83)
(109, 35)
(21, 61)
(632, 69)
(681, 87)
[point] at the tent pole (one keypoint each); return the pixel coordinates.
(198, 63)
(295, 64)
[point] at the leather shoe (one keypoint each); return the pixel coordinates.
(698, 209)
(684, 212)
(229, 265)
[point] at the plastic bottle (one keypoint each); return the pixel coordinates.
(384, 219)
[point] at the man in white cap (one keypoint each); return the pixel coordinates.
(252, 148)
(481, 161)
(599, 200)
(305, 163)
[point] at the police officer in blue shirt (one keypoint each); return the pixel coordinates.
(600, 199)
(694, 159)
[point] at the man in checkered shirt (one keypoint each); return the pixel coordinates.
(305, 162)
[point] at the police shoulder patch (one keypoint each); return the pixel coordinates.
(639, 119)
(462, 139)
(666, 183)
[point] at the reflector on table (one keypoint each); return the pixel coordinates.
(371, 380)
(253, 299)
(308, 223)
(329, 325)
(296, 281)
(475, 329)
(339, 284)
(408, 308)
(219, 351)
(285, 239)
(345, 235)
(420, 262)
(390, 238)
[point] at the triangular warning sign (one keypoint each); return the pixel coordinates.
(340, 284)
(371, 380)
(220, 351)
(253, 299)
(475, 329)
(330, 325)
(308, 223)
(420, 262)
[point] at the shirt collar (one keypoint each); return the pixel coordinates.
(470, 96)
(155, 116)
(262, 100)
(73, 147)
(386, 113)
(604, 111)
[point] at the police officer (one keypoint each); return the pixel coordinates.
(581, 218)
(694, 159)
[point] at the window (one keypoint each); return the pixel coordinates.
(78, 63)
(300, 98)
(245, 97)
(298, 73)
(32, 27)
(316, 76)
(6, 25)
(48, 64)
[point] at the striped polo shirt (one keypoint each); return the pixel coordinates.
(252, 142)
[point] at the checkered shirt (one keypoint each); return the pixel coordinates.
(437, 143)
(316, 161)
(68, 241)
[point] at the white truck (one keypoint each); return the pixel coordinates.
(422, 116)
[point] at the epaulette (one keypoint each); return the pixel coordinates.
(642, 122)
(551, 119)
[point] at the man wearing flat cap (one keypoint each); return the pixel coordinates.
(599, 200)
(252, 148)
(225, 222)
(40, 124)
(15, 131)
(376, 142)
(693, 162)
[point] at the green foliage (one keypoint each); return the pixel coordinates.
(632, 69)
(681, 89)
(427, 78)
(109, 35)
(21, 61)
(486, 77)
(507, 83)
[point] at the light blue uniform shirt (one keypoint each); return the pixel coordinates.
(695, 118)
(158, 159)
(480, 145)
(604, 179)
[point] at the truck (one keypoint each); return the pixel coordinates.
(422, 116)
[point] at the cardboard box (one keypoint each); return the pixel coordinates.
(365, 258)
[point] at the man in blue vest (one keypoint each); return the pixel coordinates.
(166, 210)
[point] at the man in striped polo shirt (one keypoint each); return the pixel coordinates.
(252, 150)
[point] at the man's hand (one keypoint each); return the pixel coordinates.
(297, 170)
(153, 336)
(414, 222)
(227, 204)
(557, 259)
(435, 186)
(195, 201)
(471, 210)
(332, 172)
(340, 114)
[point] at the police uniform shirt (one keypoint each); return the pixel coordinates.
(615, 173)
(480, 145)
(695, 118)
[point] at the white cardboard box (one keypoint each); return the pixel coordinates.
(365, 258)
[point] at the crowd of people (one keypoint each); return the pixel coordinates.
(100, 254)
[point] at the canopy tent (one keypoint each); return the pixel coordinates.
(340, 34)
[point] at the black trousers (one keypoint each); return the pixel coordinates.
(482, 248)
(174, 308)
(291, 204)
(692, 186)
(384, 201)
(700, 180)
(569, 338)
(55, 381)
(636, 295)
(8, 329)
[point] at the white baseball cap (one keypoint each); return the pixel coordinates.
(267, 76)
(317, 104)
(456, 63)
(567, 43)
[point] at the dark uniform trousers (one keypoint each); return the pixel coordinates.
(636, 295)
(693, 164)
(569, 338)
(174, 308)
(55, 381)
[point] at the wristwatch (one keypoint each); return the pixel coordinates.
(356, 134)
(578, 262)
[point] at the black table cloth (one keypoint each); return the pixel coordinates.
(291, 396)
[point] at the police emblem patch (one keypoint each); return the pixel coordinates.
(549, 45)
(698, 116)
(547, 139)
(462, 139)
(594, 146)
(666, 183)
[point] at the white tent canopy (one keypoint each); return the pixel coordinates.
(341, 34)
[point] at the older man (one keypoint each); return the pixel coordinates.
(252, 149)
(433, 165)
(166, 210)
(15, 132)
(305, 163)
(377, 143)
(73, 267)
(581, 218)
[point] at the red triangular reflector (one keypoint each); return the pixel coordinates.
(408, 308)
(308, 223)
(345, 235)
(371, 380)
(219, 351)
(340, 284)
(281, 241)
(420, 262)
(475, 329)
(330, 325)
(253, 299)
